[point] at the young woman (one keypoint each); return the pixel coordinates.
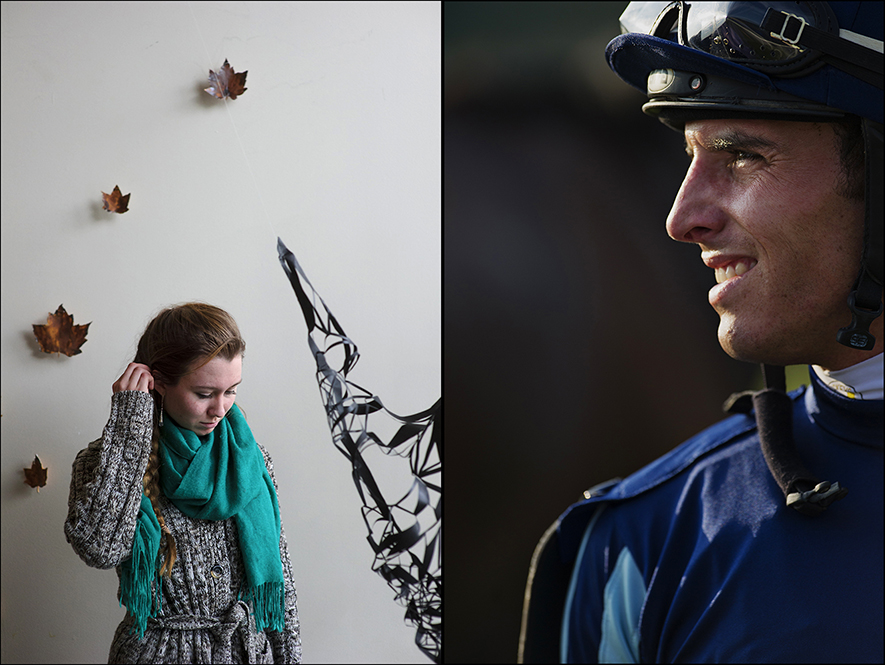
(177, 479)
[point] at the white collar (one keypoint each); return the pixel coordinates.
(861, 381)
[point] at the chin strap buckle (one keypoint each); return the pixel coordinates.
(815, 501)
(857, 335)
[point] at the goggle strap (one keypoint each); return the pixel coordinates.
(868, 42)
(779, 25)
(854, 70)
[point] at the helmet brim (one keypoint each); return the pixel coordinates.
(634, 56)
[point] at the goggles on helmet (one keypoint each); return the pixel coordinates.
(785, 39)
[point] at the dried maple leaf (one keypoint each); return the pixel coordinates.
(115, 201)
(226, 82)
(60, 335)
(36, 475)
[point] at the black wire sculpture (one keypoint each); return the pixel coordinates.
(407, 554)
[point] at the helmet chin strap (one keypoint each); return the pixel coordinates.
(774, 421)
(865, 301)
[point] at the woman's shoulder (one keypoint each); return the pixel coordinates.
(268, 462)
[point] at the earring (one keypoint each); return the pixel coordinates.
(161, 410)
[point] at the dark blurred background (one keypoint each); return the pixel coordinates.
(579, 344)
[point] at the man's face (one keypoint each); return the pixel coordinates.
(760, 200)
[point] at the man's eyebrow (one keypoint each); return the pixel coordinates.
(214, 388)
(734, 140)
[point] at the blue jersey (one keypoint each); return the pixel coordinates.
(696, 558)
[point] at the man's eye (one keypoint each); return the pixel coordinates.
(741, 156)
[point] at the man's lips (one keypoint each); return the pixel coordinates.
(727, 267)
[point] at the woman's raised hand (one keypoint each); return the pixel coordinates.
(136, 377)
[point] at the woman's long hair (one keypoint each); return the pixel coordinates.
(177, 341)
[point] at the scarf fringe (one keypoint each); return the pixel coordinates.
(135, 589)
(268, 605)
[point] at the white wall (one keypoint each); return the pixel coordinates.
(340, 125)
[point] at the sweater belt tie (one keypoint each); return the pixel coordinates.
(221, 628)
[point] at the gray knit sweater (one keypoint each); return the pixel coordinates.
(201, 620)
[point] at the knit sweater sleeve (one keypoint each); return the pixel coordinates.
(106, 483)
(286, 645)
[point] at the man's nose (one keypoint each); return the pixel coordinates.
(696, 214)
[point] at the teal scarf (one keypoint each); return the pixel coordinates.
(213, 477)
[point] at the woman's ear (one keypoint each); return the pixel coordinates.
(159, 385)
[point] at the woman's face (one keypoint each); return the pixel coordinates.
(203, 397)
